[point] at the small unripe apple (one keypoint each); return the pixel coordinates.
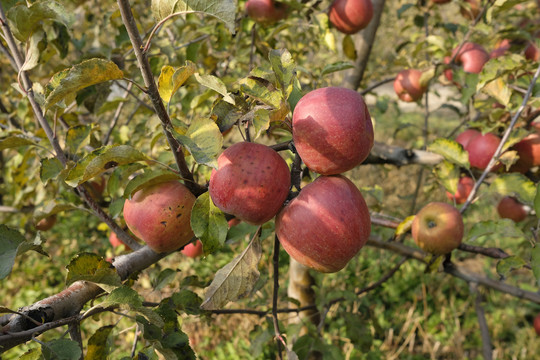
(438, 228)
(332, 130)
(266, 12)
(472, 57)
(464, 188)
(350, 16)
(470, 10)
(46, 223)
(251, 182)
(115, 241)
(326, 225)
(466, 136)
(481, 149)
(511, 208)
(536, 322)
(193, 250)
(407, 85)
(160, 215)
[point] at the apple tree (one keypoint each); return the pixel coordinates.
(347, 179)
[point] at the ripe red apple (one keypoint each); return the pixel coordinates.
(531, 52)
(332, 130)
(470, 10)
(115, 241)
(266, 12)
(438, 228)
(350, 16)
(407, 85)
(325, 225)
(46, 223)
(511, 208)
(481, 149)
(466, 136)
(160, 215)
(251, 182)
(465, 186)
(536, 322)
(528, 150)
(471, 56)
(193, 250)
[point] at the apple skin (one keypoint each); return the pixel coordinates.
(472, 11)
(472, 57)
(510, 208)
(465, 186)
(332, 130)
(265, 12)
(46, 223)
(251, 182)
(466, 136)
(326, 225)
(438, 228)
(193, 250)
(532, 52)
(160, 215)
(481, 149)
(407, 85)
(536, 322)
(501, 48)
(528, 150)
(350, 16)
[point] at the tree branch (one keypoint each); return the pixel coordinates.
(395, 155)
(487, 349)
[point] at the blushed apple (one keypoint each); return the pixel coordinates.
(481, 149)
(407, 85)
(326, 225)
(251, 182)
(160, 215)
(471, 56)
(266, 12)
(510, 208)
(350, 16)
(332, 130)
(528, 151)
(536, 324)
(438, 228)
(501, 48)
(193, 250)
(465, 137)
(115, 241)
(464, 188)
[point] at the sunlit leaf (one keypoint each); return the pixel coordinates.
(236, 279)
(337, 66)
(170, 79)
(348, 47)
(36, 44)
(515, 184)
(98, 344)
(216, 84)
(261, 121)
(208, 223)
(76, 136)
(203, 140)
(506, 265)
(502, 228)
(451, 151)
(15, 140)
(499, 90)
(261, 90)
(284, 68)
(61, 349)
(448, 175)
(33, 354)
(52, 208)
(50, 169)
(92, 267)
(404, 226)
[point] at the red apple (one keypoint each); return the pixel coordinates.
(528, 150)
(471, 9)
(531, 52)
(332, 130)
(193, 250)
(471, 56)
(115, 241)
(350, 16)
(325, 225)
(448, 74)
(438, 228)
(251, 182)
(160, 215)
(233, 222)
(407, 85)
(46, 223)
(266, 12)
(536, 322)
(511, 208)
(465, 186)
(481, 149)
(466, 136)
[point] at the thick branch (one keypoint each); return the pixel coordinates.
(395, 155)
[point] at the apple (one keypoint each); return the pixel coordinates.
(481, 149)
(438, 228)
(471, 9)
(251, 182)
(160, 215)
(266, 12)
(466, 136)
(501, 48)
(471, 56)
(510, 208)
(528, 150)
(536, 322)
(115, 241)
(464, 188)
(46, 223)
(350, 16)
(332, 130)
(532, 52)
(407, 85)
(193, 250)
(326, 225)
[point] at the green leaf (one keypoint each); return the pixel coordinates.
(50, 169)
(15, 140)
(214, 83)
(451, 151)
(61, 349)
(26, 20)
(208, 223)
(203, 140)
(376, 191)
(52, 208)
(124, 296)
(505, 266)
(187, 301)
(92, 267)
(170, 79)
(102, 159)
(225, 115)
(33, 354)
(262, 90)
(337, 66)
(535, 262)
(12, 244)
(502, 228)
(76, 136)
(448, 175)
(236, 279)
(515, 184)
(164, 278)
(224, 10)
(284, 68)
(147, 179)
(67, 82)
(537, 201)
(261, 121)
(98, 344)
(499, 90)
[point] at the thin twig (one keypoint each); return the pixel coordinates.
(487, 349)
(275, 296)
